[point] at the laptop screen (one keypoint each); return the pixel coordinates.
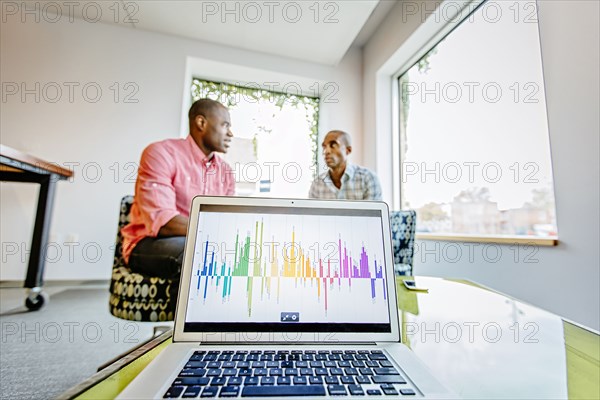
(280, 269)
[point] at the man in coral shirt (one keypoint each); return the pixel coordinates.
(170, 174)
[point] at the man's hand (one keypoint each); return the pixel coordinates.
(177, 226)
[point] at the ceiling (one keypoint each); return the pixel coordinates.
(316, 31)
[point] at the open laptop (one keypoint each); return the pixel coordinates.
(284, 298)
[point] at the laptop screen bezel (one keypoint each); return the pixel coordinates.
(180, 335)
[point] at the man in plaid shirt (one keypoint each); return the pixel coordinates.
(343, 180)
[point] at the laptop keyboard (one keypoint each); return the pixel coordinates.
(283, 373)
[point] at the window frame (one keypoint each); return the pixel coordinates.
(452, 23)
(257, 92)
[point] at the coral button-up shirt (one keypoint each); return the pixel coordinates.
(170, 174)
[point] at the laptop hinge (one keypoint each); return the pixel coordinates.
(288, 344)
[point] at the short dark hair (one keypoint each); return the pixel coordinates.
(345, 136)
(204, 107)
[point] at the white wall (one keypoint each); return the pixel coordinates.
(570, 38)
(564, 279)
(106, 137)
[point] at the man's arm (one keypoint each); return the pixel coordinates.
(177, 226)
(155, 194)
(312, 193)
(373, 191)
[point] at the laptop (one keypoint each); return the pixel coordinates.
(286, 298)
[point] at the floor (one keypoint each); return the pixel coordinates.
(44, 353)
(12, 294)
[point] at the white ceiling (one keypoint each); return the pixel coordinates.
(309, 30)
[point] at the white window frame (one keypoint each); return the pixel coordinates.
(431, 32)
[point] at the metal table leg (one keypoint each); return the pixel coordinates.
(39, 241)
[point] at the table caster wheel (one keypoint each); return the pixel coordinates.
(36, 300)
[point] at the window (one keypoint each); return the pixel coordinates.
(274, 149)
(474, 146)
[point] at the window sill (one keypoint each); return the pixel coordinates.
(498, 239)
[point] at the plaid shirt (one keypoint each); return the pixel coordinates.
(358, 183)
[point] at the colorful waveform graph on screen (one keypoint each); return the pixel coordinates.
(292, 274)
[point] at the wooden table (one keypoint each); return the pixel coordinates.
(16, 166)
